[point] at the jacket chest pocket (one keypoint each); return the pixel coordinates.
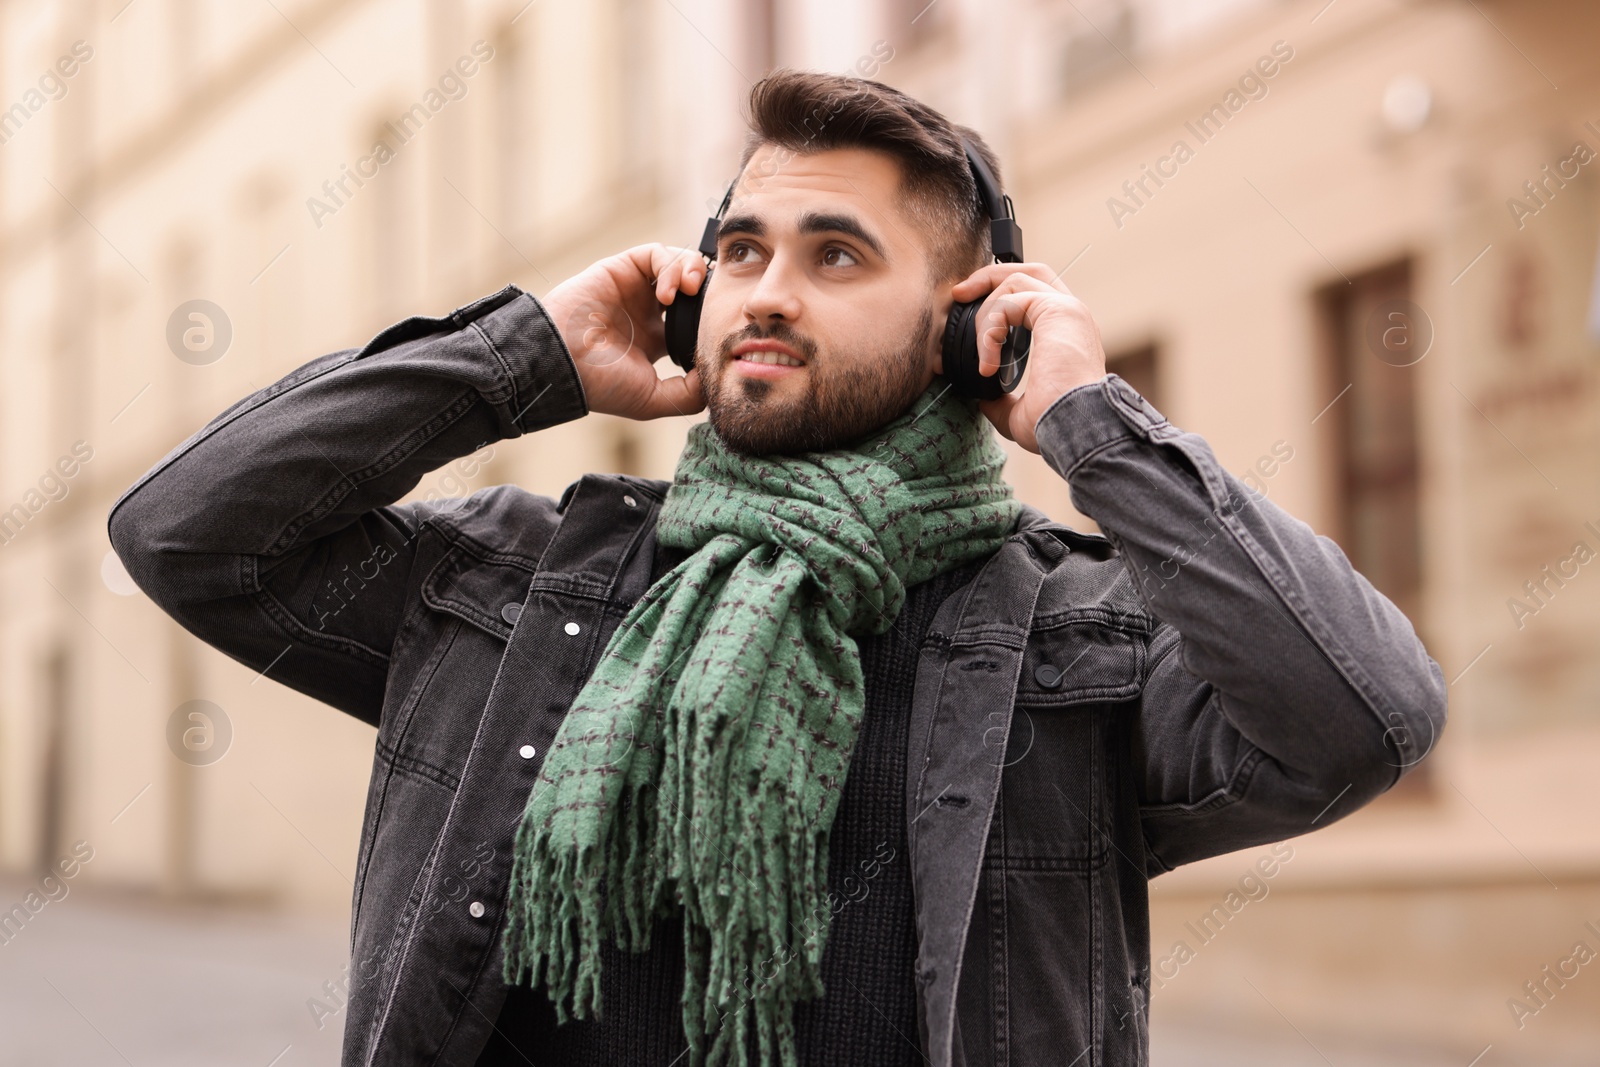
(1057, 782)
(446, 660)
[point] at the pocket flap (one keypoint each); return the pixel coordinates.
(1082, 658)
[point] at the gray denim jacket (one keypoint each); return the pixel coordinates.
(1088, 712)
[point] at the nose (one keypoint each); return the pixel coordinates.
(776, 295)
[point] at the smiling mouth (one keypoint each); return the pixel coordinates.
(767, 355)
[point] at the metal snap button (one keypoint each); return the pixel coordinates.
(511, 612)
(527, 752)
(475, 909)
(1048, 677)
(628, 500)
(572, 629)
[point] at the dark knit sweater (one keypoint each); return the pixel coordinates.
(868, 1012)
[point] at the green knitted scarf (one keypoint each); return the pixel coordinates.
(702, 763)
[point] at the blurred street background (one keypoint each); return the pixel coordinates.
(1353, 243)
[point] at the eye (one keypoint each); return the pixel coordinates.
(834, 256)
(741, 252)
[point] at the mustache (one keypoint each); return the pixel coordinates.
(777, 331)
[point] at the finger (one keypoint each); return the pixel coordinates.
(980, 281)
(694, 273)
(991, 276)
(671, 269)
(1008, 306)
(669, 280)
(1045, 273)
(651, 267)
(1021, 281)
(1014, 282)
(678, 395)
(1012, 418)
(992, 327)
(991, 341)
(998, 411)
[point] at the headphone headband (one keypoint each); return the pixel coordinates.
(708, 239)
(1005, 236)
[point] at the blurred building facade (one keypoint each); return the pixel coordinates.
(1352, 243)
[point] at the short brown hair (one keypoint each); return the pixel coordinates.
(810, 111)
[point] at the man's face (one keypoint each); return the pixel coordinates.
(819, 321)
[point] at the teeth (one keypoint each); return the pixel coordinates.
(782, 359)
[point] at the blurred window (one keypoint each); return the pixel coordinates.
(1376, 477)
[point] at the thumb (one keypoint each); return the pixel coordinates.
(678, 395)
(1010, 416)
(998, 411)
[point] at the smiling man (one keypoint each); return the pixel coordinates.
(828, 750)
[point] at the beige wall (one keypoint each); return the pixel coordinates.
(189, 145)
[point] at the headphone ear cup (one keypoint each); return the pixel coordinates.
(959, 354)
(959, 368)
(683, 325)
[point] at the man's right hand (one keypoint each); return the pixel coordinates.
(610, 318)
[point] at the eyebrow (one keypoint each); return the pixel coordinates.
(811, 222)
(747, 224)
(823, 222)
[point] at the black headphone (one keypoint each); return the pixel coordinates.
(960, 347)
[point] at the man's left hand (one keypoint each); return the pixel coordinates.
(1066, 350)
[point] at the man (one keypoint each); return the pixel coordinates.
(828, 751)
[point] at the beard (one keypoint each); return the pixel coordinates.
(849, 395)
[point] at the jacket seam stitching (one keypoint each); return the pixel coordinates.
(1098, 449)
(1224, 796)
(1331, 650)
(1096, 814)
(506, 376)
(295, 630)
(1036, 580)
(365, 862)
(455, 536)
(593, 650)
(262, 399)
(1337, 658)
(419, 768)
(1001, 940)
(400, 945)
(348, 483)
(431, 668)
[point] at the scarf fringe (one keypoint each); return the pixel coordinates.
(766, 952)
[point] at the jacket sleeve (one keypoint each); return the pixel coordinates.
(272, 533)
(1282, 691)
